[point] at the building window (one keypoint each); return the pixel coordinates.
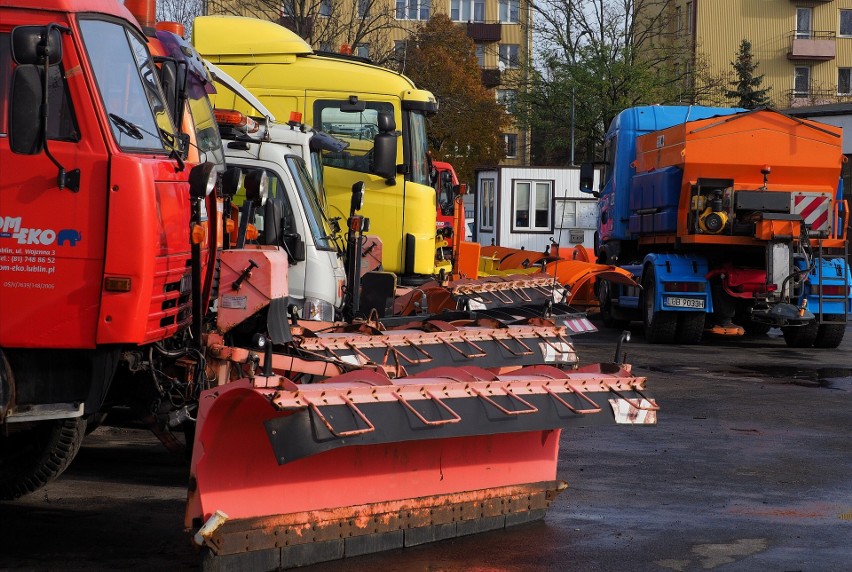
(487, 204)
(467, 10)
(689, 18)
(364, 8)
(531, 208)
(399, 49)
(510, 140)
(480, 55)
(804, 22)
(506, 97)
(846, 22)
(325, 8)
(412, 9)
(802, 81)
(509, 10)
(844, 81)
(509, 55)
(362, 51)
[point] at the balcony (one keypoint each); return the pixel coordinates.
(812, 46)
(490, 77)
(482, 32)
(797, 98)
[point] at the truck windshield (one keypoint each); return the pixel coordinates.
(128, 85)
(418, 147)
(308, 197)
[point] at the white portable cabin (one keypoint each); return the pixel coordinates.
(526, 207)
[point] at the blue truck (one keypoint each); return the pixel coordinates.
(731, 222)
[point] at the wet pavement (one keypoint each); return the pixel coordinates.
(749, 468)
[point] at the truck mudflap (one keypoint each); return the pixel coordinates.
(296, 474)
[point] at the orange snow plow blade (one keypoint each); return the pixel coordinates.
(297, 474)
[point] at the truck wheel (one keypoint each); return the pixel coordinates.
(605, 299)
(690, 327)
(829, 335)
(800, 336)
(660, 327)
(32, 456)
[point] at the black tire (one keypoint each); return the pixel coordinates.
(690, 327)
(829, 336)
(660, 327)
(800, 336)
(605, 299)
(32, 456)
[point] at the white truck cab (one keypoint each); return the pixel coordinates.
(289, 155)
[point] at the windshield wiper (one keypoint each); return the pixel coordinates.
(126, 127)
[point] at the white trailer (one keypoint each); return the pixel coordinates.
(526, 207)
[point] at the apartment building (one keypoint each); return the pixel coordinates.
(380, 28)
(803, 47)
(500, 32)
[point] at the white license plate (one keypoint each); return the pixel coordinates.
(679, 302)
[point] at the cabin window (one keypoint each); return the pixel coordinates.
(358, 128)
(486, 195)
(531, 206)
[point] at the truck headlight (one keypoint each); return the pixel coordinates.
(319, 310)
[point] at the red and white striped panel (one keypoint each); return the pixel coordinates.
(579, 325)
(815, 209)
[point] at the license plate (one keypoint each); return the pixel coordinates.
(678, 302)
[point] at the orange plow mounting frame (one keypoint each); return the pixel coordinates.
(577, 274)
(298, 474)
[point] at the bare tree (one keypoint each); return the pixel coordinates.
(181, 11)
(361, 25)
(604, 56)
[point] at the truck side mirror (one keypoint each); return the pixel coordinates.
(24, 119)
(384, 156)
(295, 247)
(385, 122)
(587, 178)
(31, 45)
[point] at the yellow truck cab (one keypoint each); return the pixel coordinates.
(355, 101)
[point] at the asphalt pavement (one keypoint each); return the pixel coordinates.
(749, 468)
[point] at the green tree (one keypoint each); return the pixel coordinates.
(747, 92)
(467, 130)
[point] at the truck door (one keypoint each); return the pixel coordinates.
(51, 239)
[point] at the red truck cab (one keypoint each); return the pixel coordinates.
(94, 222)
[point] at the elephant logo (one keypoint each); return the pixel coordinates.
(68, 235)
